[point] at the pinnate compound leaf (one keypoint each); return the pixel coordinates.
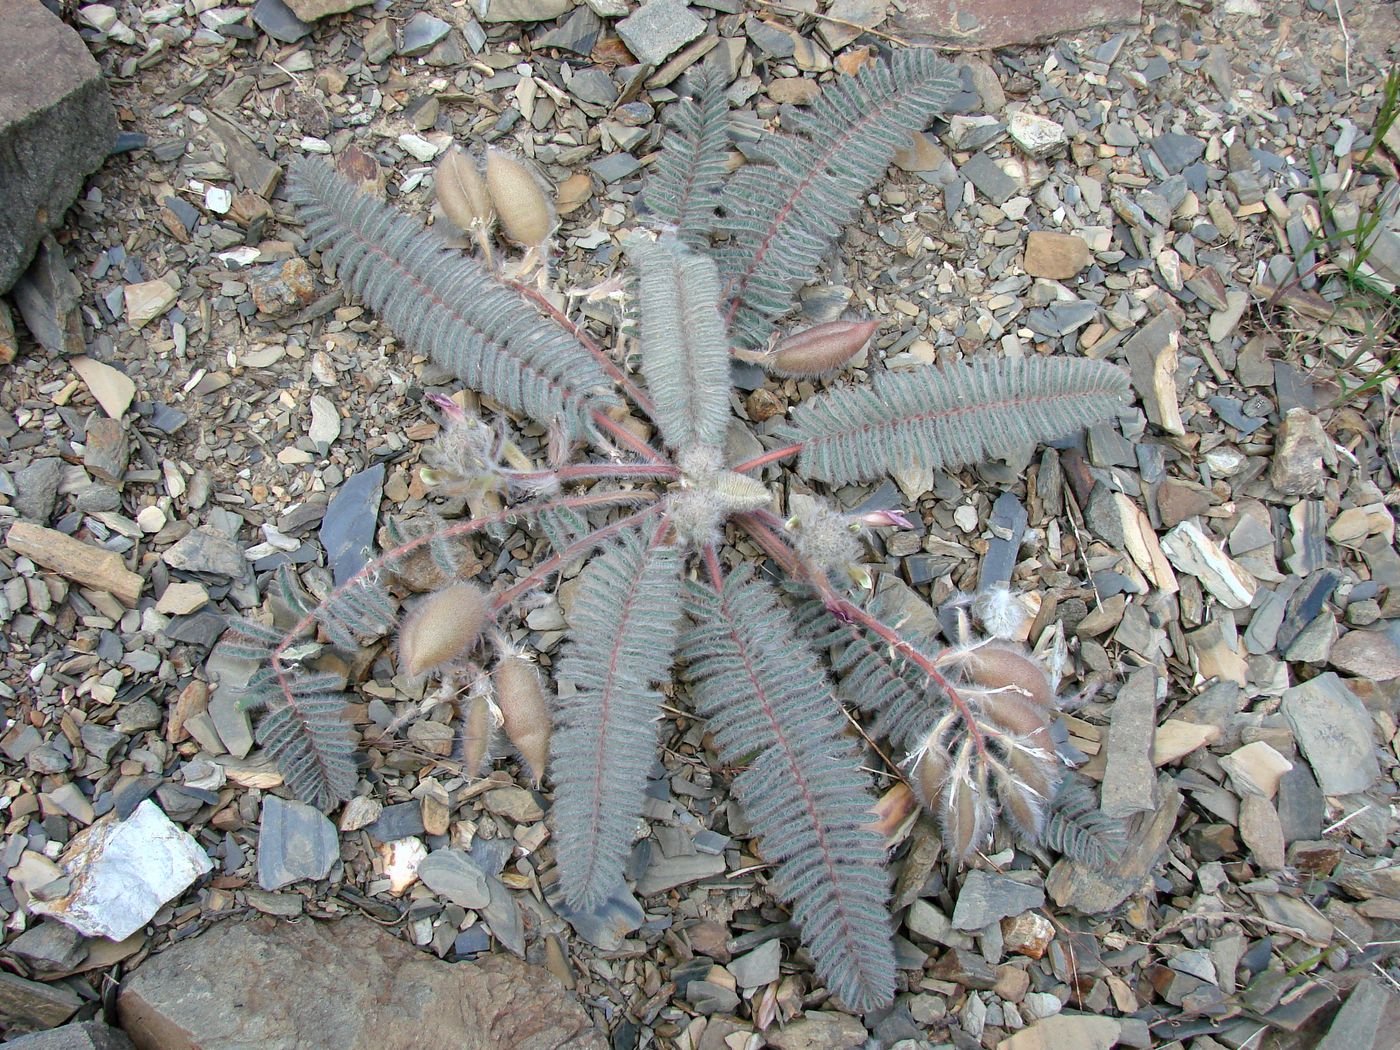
(622, 639)
(769, 705)
(683, 185)
(782, 216)
(447, 305)
(951, 415)
(685, 355)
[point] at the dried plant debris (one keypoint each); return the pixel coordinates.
(339, 492)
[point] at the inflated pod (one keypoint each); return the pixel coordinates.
(525, 213)
(441, 627)
(524, 711)
(997, 665)
(461, 192)
(478, 729)
(820, 350)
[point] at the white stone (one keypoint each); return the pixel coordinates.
(218, 200)
(1193, 552)
(122, 872)
(418, 147)
(1038, 136)
(181, 599)
(325, 422)
(151, 520)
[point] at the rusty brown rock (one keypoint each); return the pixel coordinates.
(977, 24)
(277, 986)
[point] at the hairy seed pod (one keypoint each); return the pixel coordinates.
(1022, 804)
(966, 814)
(998, 665)
(478, 727)
(461, 193)
(820, 350)
(526, 215)
(736, 493)
(930, 777)
(442, 627)
(1018, 716)
(524, 711)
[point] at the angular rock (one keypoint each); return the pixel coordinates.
(9, 345)
(57, 125)
(36, 489)
(346, 984)
(1367, 654)
(819, 1030)
(295, 842)
(758, 967)
(209, 551)
(1056, 256)
(347, 530)
(89, 565)
(988, 177)
(314, 10)
(494, 11)
(1080, 1031)
(49, 948)
(147, 301)
(122, 872)
(27, 1006)
(987, 897)
(1152, 360)
(1334, 731)
(1302, 451)
(47, 296)
(1192, 551)
(1129, 780)
(1261, 831)
(1036, 135)
(276, 19)
(1369, 1013)
(975, 25)
(658, 29)
(453, 874)
(86, 1035)
(110, 387)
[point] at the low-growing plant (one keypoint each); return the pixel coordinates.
(718, 260)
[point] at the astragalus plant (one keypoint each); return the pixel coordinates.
(717, 260)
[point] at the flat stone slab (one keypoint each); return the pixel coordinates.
(978, 24)
(346, 984)
(57, 125)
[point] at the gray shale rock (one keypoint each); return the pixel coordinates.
(87, 1035)
(264, 985)
(56, 127)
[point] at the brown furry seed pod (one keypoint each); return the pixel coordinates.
(443, 626)
(1018, 717)
(525, 213)
(478, 729)
(998, 665)
(820, 350)
(524, 711)
(930, 777)
(462, 193)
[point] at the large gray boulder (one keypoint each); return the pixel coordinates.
(56, 127)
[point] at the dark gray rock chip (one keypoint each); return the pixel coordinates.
(296, 842)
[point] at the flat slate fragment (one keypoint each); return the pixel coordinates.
(1129, 779)
(1334, 731)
